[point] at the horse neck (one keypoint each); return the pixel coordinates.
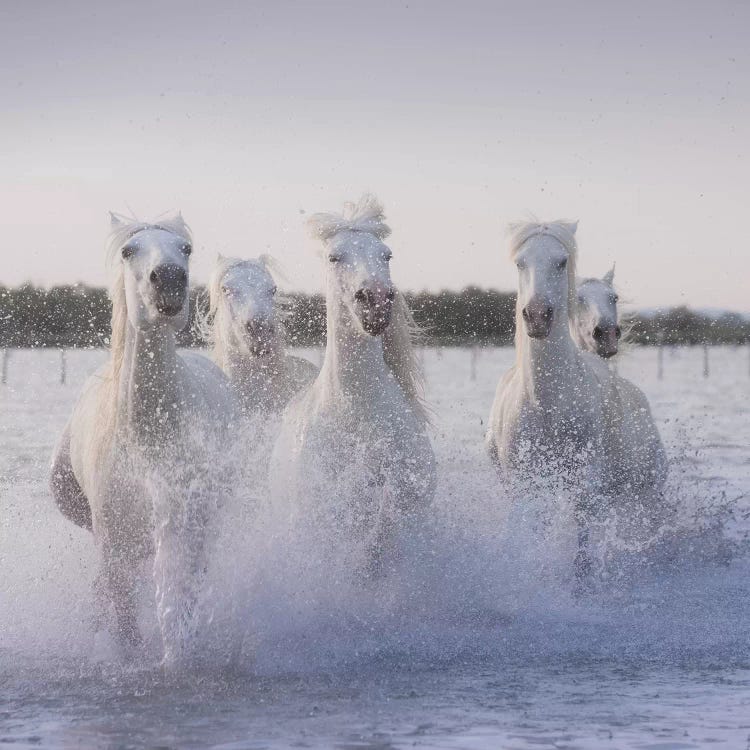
(256, 378)
(545, 363)
(149, 391)
(353, 365)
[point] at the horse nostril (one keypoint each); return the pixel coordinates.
(598, 333)
(169, 278)
(618, 332)
(362, 295)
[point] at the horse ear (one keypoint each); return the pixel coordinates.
(571, 226)
(609, 277)
(174, 217)
(116, 221)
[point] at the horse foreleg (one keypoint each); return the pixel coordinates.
(119, 577)
(182, 539)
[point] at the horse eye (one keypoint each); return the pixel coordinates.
(563, 263)
(614, 299)
(127, 251)
(334, 258)
(226, 290)
(274, 290)
(186, 250)
(387, 257)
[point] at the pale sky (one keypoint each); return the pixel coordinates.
(633, 117)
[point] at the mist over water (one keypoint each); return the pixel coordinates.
(471, 635)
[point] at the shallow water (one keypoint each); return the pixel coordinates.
(472, 639)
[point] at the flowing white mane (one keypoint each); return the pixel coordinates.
(365, 216)
(400, 355)
(210, 317)
(564, 232)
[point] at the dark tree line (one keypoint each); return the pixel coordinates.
(79, 316)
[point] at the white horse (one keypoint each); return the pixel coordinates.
(245, 327)
(147, 415)
(597, 325)
(559, 411)
(358, 433)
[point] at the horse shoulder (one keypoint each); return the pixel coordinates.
(639, 427)
(207, 380)
(506, 404)
(88, 412)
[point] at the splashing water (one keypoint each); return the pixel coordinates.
(471, 637)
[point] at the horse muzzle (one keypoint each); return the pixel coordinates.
(259, 336)
(374, 309)
(537, 317)
(169, 282)
(607, 339)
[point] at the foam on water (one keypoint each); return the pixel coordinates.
(478, 592)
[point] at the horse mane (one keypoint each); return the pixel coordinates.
(123, 228)
(564, 232)
(365, 216)
(209, 317)
(400, 355)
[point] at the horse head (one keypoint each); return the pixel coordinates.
(597, 323)
(155, 274)
(246, 292)
(545, 257)
(359, 262)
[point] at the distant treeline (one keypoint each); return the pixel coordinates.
(79, 316)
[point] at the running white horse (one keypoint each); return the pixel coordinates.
(134, 464)
(357, 436)
(559, 411)
(245, 326)
(597, 326)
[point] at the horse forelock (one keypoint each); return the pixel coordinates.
(563, 231)
(125, 227)
(366, 216)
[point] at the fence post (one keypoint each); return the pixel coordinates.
(63, 367)
(4, 368)
(705, 360)
(473, 362)
(660, 357)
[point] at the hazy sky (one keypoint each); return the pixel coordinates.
(633, 117)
